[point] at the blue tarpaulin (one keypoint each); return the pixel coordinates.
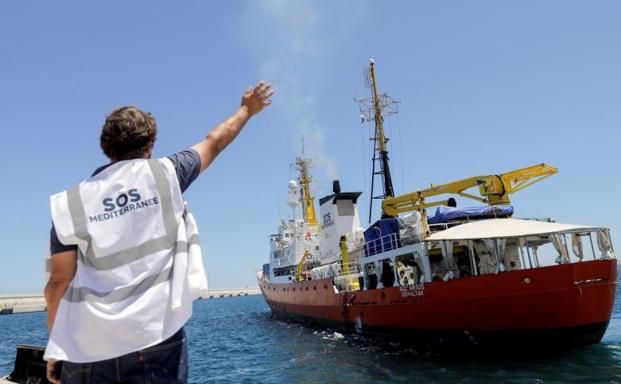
(444, 214)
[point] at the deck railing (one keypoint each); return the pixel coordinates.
(382, 244)
(353, 267)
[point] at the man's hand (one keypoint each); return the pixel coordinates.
(51, 372)
(253, 101)
(257, 98)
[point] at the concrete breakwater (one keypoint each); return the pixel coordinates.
(217, 293)
(10, 304)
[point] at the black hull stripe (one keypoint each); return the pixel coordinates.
(553, 338)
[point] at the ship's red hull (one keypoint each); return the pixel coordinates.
(564, 304)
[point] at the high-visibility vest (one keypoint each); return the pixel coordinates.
(134, 282)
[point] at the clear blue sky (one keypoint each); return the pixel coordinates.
(485, 86)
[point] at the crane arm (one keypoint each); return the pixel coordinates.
(298, 273)
(525, 177)
(493, 189)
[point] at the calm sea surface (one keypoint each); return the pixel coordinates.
(235, 340)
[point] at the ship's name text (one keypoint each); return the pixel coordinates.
(413, 290)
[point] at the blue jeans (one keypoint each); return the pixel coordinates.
(166, 362)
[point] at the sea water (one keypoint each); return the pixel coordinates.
(236, 340)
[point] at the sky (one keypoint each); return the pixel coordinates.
(485, 87)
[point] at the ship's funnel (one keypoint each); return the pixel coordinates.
(339, 216)
(336, 186)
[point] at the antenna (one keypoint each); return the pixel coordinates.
(374, 109)
(302, 145)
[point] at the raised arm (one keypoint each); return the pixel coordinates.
(253, 102)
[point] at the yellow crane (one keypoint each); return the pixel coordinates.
(298, 273)
(493, 189)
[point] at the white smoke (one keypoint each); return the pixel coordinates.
(290, 39)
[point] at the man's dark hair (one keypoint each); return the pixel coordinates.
(128, 133)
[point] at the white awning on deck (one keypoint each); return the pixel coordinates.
(503, 228)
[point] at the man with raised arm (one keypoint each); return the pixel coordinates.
(124, 266)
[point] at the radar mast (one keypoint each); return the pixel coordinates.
(303, 166)
(374, 109)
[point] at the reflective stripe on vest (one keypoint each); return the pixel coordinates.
(75, 295)
(81, 293)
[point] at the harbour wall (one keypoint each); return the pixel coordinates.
(218, 293)
(12, 304)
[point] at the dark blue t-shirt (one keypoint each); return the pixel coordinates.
(187, 164)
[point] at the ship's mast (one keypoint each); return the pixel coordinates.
(374, 109)
(303, 166)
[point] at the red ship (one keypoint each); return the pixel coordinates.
(470, 275)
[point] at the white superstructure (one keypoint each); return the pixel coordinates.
(297, 240)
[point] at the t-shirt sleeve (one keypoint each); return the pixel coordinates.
(188, 166)
(56, 246)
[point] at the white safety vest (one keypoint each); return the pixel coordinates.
(139, 265)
